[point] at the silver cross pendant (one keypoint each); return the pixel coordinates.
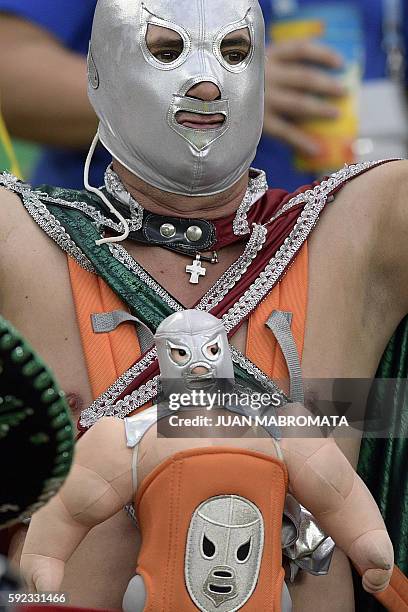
(196, 270)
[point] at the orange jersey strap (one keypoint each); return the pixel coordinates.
(289, 295)
(107, 356)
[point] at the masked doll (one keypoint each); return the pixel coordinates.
(209, 509)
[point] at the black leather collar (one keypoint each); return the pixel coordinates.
(187, 236)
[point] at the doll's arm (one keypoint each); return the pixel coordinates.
(98, 486)
(323, 481)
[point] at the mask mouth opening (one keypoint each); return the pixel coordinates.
(220, 590)
(200, 121)
(196, 382)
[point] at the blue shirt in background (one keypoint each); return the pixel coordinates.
(71, 21)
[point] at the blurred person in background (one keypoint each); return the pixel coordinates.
(44, 85)
(306, 85)
(8, 159)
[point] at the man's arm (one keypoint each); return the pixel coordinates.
(388, 189)
(43, 86)
(99, 485)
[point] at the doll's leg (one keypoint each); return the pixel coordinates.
(135, 597)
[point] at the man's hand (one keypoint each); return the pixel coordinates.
(42, 573)
(298, 87)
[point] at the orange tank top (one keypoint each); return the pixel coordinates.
(109, 355)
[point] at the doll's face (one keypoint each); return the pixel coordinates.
(193, 346)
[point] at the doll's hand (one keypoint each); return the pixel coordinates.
(374, 555)
(42, 573)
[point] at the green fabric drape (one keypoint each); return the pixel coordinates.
(383, 463)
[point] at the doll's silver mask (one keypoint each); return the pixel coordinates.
(193, 346)
(139, 95)
(224, 552)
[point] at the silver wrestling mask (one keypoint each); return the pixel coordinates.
(139, 94)
(193, 346)
(224, 552)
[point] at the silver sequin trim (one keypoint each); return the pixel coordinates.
(335, 180)
(104, 405)
(235, 272)
(314, 200)
(269, 385)
(42, 216)
(121, 255)
(257, 187)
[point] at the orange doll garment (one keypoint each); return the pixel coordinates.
(109, 355)
(172, 504)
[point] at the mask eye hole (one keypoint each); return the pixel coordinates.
(164, 44)
(212, 350)
(180, 355)
(236, 46)
(208, 548)
(244, 551)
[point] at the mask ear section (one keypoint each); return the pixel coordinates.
(93, 75)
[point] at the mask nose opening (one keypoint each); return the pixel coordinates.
(200, 117)
(208, 91)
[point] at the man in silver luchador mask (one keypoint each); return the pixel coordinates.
(178, 89)
(176, 85)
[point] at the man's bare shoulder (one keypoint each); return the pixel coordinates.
(375, 201)
(380, 183)
(14, 222)
(11, 212)
(24, 247)
(376, 204)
